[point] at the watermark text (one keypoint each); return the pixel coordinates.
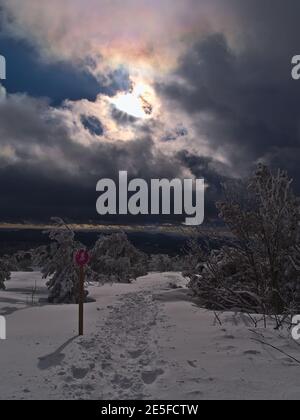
(296, 328)
(158, 197)
(2, 328)
(2, 68)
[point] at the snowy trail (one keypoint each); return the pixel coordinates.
(147, 340)
(120, 359)
(117, 358)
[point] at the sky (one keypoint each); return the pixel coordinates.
(161, 89)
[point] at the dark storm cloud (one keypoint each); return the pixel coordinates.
(242, 98)
(213, 173)
(44, 172)
(267, 25)
(235, 85)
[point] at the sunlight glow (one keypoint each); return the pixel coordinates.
(138, 103)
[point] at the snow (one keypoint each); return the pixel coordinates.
(146, 340)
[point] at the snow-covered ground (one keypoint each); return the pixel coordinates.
(147, 340)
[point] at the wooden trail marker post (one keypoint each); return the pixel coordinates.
(82, 258)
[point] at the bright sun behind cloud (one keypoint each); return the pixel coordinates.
(138, 103)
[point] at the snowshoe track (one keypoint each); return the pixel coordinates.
(119, 361)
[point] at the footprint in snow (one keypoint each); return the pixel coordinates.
(135, 354)
(79, 373)
(149, 377)
(252, 353)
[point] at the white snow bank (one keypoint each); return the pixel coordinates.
(144, 340)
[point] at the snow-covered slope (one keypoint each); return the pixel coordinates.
(147, 340)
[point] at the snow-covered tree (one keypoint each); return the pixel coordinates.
(260, 270)
(56, 262)
(115, 259)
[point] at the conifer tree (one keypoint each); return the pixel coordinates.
(57, 263)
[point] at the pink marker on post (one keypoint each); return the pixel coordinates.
(82, 258)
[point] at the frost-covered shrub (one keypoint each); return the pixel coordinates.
(20, 261)
(5, 273)
(260, 272)
(160, 263)
(115, 259)
(56, 262)
(224, 282)
(191, 258)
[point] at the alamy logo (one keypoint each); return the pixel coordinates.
(2, 328)
(296, 328)
(2, 68)
(158, 198)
